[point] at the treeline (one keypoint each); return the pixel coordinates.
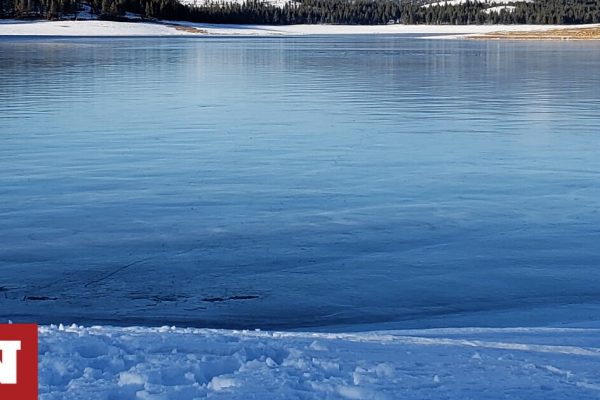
(316, 11)
(50, 9)
(376, 12)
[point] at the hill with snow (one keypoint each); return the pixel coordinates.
(276, 3)
(491, 5)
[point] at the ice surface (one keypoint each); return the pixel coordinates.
(285, 183)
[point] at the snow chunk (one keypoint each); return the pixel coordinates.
(317, 346)
(220, 383)
(130, 378)
(354, 393)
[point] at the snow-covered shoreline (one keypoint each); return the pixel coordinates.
(96, 28)
(174, 363)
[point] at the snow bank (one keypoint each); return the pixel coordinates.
(169, 363)
(174, 28)
(83, 28)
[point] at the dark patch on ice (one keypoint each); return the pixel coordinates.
(239, 297)
(213, 299)
(39, 298)
(158, 298)
(194, 308)
(166, 298)
(245, 297)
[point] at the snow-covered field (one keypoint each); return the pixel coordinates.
(170, 28)
(169, 363)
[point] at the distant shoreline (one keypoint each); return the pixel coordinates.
(98, 28)
(566, 33)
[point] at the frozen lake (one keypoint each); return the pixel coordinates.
(299, 182)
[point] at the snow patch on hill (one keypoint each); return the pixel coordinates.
(499, 9)
(488, 2)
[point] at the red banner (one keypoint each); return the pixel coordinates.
(18, 362)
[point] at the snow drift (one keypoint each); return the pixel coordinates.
(171, 363)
